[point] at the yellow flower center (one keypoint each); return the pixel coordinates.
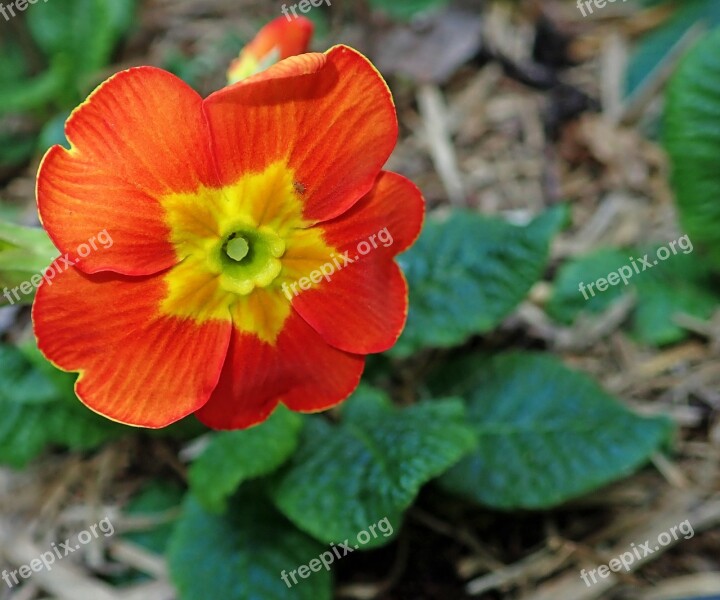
(236, 247)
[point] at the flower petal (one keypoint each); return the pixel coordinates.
(136, 367)
(362, 307)
(279, 39)
(302, 371)
(139, 136)
(294, 66)
(332, 122)
(388, 219)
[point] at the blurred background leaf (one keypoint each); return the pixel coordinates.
(657, 44)
(406, 9)
(682, 285)
(47, 414)
(25, 253)
(54, 66)
(692, 138)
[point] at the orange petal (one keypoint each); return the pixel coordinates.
(332, 122)
(362, 305)
(384, 223)
(292, 67)
(302, 371)
(280, 39)
(136, 367)
(361, 309)
(139, 136)
(291, 36)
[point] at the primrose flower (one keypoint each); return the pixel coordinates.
(278, 40)
(215, 207)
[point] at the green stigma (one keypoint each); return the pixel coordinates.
(237, 248)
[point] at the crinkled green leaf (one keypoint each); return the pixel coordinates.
(468, 272)
(681, 284)
(545, 433)
(347, 477)
(235, 456)
(241, 555)
(692, 138)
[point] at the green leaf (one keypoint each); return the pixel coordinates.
(665, 294)
(345, 478)
(654, 47)
(156, 498)
(692, 138)
(122, 15)
(16, 148)
(39, 413)
(38, 91)
(13, 66)
(34, 240)
(85, 31)
(680, 284)
(20, 383)
(188, 428)
(240, 556)
(545, 433)
(236, 456)
(567, 301)
(53, 133)
(25, 252)
(159, 501)
(406, 9)
(468, 272)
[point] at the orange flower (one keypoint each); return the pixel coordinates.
(278, 40)
(215, 207)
